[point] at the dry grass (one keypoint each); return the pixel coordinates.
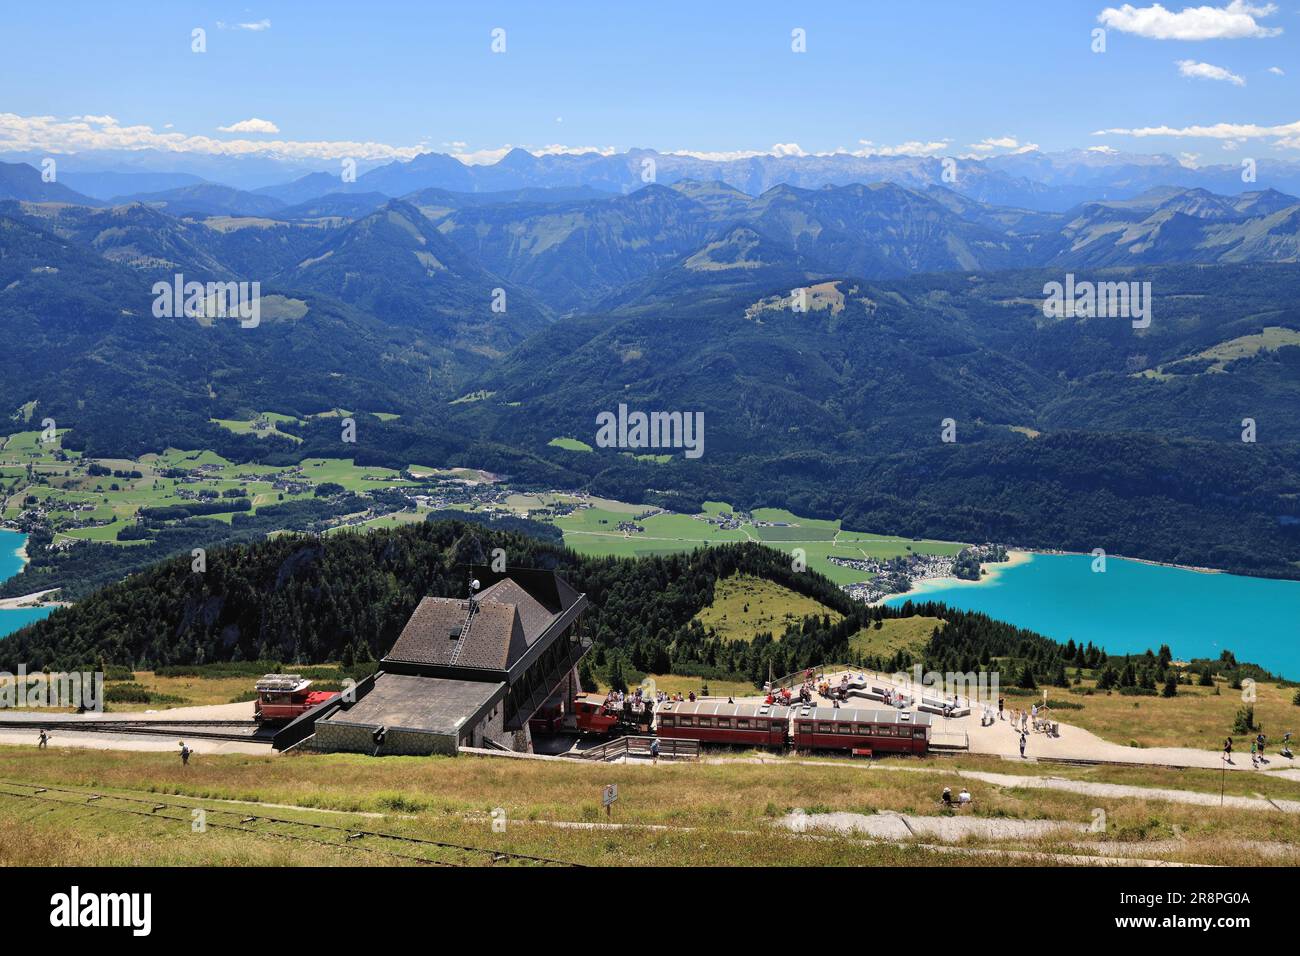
(1195, 718)
(713, 813)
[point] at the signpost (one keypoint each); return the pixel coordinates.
(607, 798)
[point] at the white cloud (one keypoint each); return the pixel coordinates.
(555, 149)
(77, 133)
(488, 156)
(1277, 71)
(1235, 21)
(1208, 71)
(1284, 135)
(479, 157)
(1108, 150)
(731, 156)
(1189, 160)
(910, 148)
(256, 27)
(986, 147)
(1214, 131)
(718, 156)
(253, 125)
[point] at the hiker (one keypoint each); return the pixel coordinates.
(947, 797)
(1227, 749)
(654, 750)
(1254, 758)
(1023, 738)
(43, 740)
(1001, 701)
(1286, 745)
(185, 754)
(963, 798)
(1260, 740)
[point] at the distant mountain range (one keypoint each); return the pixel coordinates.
(1029, 179)
(492, 322)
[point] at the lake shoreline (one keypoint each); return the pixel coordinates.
(18, 612)
(1019, 556)
(35, 599)
(989, 572)
(1150, 561)
(1135, 606)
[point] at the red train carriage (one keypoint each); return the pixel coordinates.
(762, 725)
(877, 731)
(282, 697)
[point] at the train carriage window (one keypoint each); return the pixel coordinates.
(742, 723)
(844, 728)
(919, 733)
(724, 722)
(704, 722)
(885, 730)
(825, 728)
(805, 728)
(666, 720)
(685, 720)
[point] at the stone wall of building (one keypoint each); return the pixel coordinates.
(337, 737)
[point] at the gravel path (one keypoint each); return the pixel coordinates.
(1056, 783)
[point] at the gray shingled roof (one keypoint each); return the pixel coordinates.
(534, 617)
(427, 637)
(506, 622)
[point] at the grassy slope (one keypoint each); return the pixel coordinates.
(744, 606)
(896, 634)
(1197, 717)
(729, 808)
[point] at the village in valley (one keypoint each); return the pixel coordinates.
(46, 490)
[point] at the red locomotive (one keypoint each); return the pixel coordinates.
(591, 714)
(282, 697)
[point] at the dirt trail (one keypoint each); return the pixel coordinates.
(1091, 788)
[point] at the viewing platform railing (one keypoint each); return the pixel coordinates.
(671, 748)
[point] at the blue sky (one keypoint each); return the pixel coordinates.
(958, 77)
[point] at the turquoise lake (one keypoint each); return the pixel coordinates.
(1134, 606)
(10, 564)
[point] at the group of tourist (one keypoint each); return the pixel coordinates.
(963, 798)
(636, 702)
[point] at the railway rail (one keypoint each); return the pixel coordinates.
(410, 849)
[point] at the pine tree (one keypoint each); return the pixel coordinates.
(616, 679)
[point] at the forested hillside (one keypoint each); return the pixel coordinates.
(304, 600)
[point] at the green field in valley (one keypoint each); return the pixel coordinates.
(592, 529)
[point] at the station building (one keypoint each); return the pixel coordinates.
(463, 673)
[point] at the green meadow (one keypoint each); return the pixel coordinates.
(593, 530)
